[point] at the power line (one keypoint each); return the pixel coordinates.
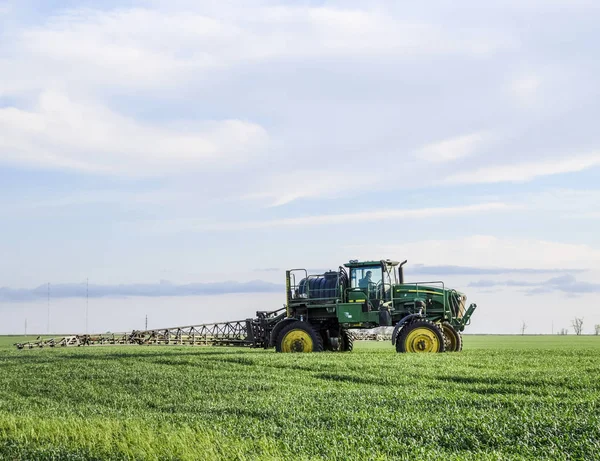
(87, 296)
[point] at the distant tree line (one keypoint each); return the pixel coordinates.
(576, 323)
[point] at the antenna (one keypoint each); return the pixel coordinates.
(87, 297)
(48, 307)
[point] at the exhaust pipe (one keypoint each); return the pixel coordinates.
(401, 272)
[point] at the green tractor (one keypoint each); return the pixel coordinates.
(427, 317)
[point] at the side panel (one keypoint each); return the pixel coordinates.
(349, 313)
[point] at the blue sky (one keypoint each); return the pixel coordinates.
(197, 142)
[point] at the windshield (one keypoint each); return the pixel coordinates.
(362, 277)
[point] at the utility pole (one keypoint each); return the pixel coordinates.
(146, 322)
(87, 296)
(48, 308)
(25, 326)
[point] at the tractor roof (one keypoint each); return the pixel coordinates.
(356, 263)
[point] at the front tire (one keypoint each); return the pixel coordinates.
(299, 337)
(453, 338)
(420, 336)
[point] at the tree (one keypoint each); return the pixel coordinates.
(597, 329)
(563, 331)
(523, 328)
(577, 323)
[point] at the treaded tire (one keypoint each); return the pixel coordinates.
(453, 338)
(302, 331)
(429, 327)
(347, 342)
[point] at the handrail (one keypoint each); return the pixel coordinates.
(307, 289)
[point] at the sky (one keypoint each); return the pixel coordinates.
(181, 155)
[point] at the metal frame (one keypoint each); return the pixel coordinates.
(250, 332)
(292, 287)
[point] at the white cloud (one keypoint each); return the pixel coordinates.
(567, 203)
(63, 133)
(324, 30)
(132, 48)
(281, 189)
(330, 219)
(79, 57)
(145, 48)
(490, 251)
(526, 89)
(453, 148)
(526, 171)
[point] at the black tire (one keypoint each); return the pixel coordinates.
(420, 336)
(346, 341)
(453, 338)
(299, 337)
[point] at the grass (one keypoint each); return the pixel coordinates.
(503, 397)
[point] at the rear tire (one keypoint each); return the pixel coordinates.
(299, 337)
(344, 340)
(453, 338)
(420, 336)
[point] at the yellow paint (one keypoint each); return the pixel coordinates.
(422, 339)
(420, 291)
(297, 340)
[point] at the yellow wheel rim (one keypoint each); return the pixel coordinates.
(422, 340)
(297, 341)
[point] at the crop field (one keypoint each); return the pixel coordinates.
(503, 397)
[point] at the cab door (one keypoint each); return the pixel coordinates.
(367, 279)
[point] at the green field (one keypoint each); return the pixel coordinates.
(503, 397)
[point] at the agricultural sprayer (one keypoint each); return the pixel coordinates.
(320, 312)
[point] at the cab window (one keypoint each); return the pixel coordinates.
(389, 276)
(365, 277)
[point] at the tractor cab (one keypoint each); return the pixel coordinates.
(372, 281)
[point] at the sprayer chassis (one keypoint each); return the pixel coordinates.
(319, 311)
